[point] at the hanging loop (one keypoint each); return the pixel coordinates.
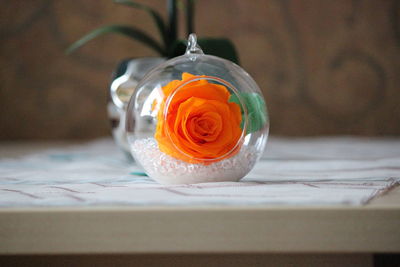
(192, 46)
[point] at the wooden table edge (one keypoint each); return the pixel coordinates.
(201, 229)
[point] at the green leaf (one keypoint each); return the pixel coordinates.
(178, 48)
(172, 22)
(256, 110)
(219, 47)
(189, 16)
(128, 31)
(153, 13)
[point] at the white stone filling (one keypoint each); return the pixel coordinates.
(168, 170)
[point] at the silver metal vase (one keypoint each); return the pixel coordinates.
(123, 83)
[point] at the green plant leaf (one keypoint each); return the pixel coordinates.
(220, 47)
(172, 22)
(190, 16)
(256, 110)
(153, 13)
(128, 31)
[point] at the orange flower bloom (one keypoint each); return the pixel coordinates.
(200, 123)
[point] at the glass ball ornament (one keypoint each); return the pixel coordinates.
(197, 118)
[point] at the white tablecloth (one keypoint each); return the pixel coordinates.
(312, 171)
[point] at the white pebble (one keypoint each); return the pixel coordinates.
(168, 170)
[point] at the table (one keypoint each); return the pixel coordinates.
(246, 235)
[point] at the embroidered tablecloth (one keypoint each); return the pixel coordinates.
(311, 171)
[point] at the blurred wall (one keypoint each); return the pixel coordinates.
(326, 67)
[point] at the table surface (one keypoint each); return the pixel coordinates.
(370, 228)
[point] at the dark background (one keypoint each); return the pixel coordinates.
(325, 67)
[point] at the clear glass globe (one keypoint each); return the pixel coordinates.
(197, 118)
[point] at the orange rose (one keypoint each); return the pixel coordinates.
(200, 123)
